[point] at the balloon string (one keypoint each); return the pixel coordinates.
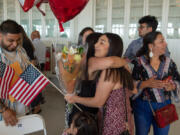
(38, 7)
(42, 12)
(61, 27)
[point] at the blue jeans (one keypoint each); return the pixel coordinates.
(143, 117)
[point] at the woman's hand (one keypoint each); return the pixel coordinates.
(152, 83)
(169, 86)
(70, 98)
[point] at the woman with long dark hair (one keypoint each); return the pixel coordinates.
(151, 69)
(87, 87)
(29, 48)
(111, 86)
(84, 34)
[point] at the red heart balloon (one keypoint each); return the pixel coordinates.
(64, 10)
(28, 4)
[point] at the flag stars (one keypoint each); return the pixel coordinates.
(30, 74)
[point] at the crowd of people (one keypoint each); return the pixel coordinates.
(113, 92)
(114, 96)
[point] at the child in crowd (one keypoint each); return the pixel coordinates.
(82, 124)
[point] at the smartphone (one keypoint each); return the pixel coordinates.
(168, 79)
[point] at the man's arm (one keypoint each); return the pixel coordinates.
(8, 115)
(133, 48)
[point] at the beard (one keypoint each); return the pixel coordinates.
(6, 47)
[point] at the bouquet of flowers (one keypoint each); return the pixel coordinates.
(69, 59)
(68, 64)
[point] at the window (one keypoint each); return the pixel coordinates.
(1, 11)
(99, 28)
(24, 21)
(50, 22)
(66, 33)
(173, 30)
(132, 30)
(118, 29)
(11, 10)
(36, 20)
(101, 16)
(135, 14)
(170, 30)
(155, 9)
(118, 17)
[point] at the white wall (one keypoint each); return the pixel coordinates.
(174, 48)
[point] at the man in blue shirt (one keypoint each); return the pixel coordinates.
(146, 24)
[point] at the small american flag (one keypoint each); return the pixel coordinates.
(28, 86)
(6, 75)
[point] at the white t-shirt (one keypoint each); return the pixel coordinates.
(40, 50)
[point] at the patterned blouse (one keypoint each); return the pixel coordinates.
(143, 71)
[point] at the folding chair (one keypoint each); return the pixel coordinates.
(27, 124)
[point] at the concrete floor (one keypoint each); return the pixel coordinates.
(53, 113)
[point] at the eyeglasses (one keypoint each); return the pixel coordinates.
(142, 27)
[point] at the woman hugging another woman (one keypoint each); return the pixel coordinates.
(112, 88)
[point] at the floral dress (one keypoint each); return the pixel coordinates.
(114, 113)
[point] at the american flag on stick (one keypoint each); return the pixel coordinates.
(30, 83)
(6, 75)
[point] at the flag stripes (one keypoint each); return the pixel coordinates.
(6, 75)
(28, 86)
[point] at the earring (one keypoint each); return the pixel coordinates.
(151, 53)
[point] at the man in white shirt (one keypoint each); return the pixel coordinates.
(40, 49)
(40, 53)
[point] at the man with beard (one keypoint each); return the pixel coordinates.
(11, 52)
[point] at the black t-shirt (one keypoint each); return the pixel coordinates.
(88, 89)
